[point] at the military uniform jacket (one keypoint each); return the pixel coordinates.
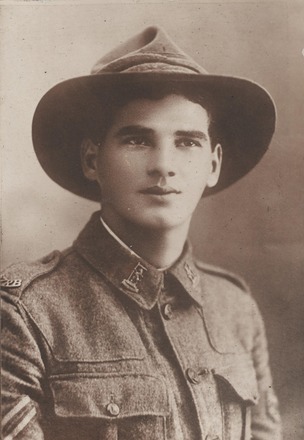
(98, 344)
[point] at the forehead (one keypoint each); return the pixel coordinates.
(171, 111)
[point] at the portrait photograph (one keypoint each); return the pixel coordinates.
(152, 213)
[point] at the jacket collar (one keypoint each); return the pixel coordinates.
(128, 272)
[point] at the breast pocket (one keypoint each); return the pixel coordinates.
(238, 391)
(124, 407)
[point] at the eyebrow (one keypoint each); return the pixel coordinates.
(192, 134)
(139, 129)
(133, 129)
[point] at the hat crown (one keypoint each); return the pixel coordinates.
(152, 50)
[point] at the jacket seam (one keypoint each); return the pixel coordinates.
(66, 376)
(181, 362)
(200, 310)
(61, 257)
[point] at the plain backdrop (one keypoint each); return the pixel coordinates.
(255, 228)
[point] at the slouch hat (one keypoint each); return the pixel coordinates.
(245, 111)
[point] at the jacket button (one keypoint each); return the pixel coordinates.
(168, 311)
(113, 409)
(192, 376)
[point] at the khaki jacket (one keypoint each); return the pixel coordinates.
(79, 361)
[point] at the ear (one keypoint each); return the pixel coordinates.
(216, 163)
(89, 155)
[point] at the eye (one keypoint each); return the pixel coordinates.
(140, 141)
(188, 143)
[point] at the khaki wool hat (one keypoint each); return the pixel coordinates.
(245, 112)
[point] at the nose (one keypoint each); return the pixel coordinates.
(162, 163)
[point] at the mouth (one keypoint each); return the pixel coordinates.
(160, 190)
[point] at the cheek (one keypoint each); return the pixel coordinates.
(118, 173)
(196, 174)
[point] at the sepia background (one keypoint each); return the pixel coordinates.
(255, 228)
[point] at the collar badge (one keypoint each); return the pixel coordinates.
(134, 278)
(5, 282)
(190, 274)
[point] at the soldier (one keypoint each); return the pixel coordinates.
(125, 335)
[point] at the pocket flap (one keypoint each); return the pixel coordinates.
(241, 379)
(108, 397)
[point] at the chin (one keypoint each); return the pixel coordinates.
(159, 222)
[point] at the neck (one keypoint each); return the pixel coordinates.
(159, 247)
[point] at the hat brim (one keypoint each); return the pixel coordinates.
(247, 116)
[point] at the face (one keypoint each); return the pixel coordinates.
(154, 163)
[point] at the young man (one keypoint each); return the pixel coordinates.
(125, 335)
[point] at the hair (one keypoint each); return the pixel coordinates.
(104, 108)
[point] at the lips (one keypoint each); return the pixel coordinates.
(160, 190)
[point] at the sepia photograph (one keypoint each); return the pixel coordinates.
(152, 220)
